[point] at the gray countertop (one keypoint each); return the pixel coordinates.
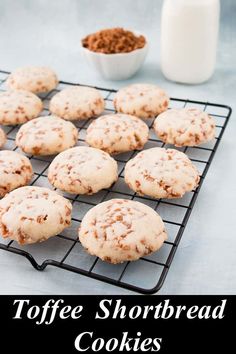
(48, 33)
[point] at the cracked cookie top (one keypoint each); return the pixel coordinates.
(141, 100)
(161, 173)
(15, 171)
(46, 136)
(33, 214)
(185, 127)
(121, 230)
(17, 107)
(117, 133)
(32, 78)
(82, 170)
(77, 102)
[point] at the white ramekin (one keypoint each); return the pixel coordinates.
(120, 66)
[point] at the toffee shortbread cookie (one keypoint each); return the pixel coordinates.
(17, 107)
(33, 214)
(3, 137)
(46, 136)
(77, 102)
(15, 171)
(35, 79)
(116, 133)
(185, 127)
(120, 230)
(82, 170)
(161, 173)
(141, 100)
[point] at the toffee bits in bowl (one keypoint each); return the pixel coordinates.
(113, 41)
(115, 53)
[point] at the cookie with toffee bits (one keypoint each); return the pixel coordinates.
(82, 170)
(121, 230)
(141, 100)
(33, 214)
(117, 133)
(17, 107)
(46, 136)
(3, 137)
(185, 127)
(161, 173)
(36, 79)
(15, 171)
(77, 102)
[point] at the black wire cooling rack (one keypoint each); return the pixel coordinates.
(64, 251)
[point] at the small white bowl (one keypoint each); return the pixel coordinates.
(119, 66)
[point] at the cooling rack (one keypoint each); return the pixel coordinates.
(64, 251)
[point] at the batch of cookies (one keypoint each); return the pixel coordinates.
(116, 230)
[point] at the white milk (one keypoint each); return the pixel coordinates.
(189, 31)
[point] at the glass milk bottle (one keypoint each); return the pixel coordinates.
(189, 32)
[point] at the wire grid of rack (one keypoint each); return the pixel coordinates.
(146, 275)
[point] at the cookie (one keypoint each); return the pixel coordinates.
(3, 137)
(185, 127)
(77, 102)
(120, 230)
(17, 107)
(141, 100)
(15, 171)
(36, 79)
(33, 214)
(82, 170)
(116, 133)
(161, 173)
(46, 136)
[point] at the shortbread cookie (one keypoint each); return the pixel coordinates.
(33, 214)
(15, 171)
(185, 127)
(3, 138)
(161, 173)
(77, 103)
(82, 170)
(32, 78)
(17, 107)
(141, 100)
(121, 230)
(46, 136)
(116, 133)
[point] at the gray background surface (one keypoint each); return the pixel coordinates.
(49, 32)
